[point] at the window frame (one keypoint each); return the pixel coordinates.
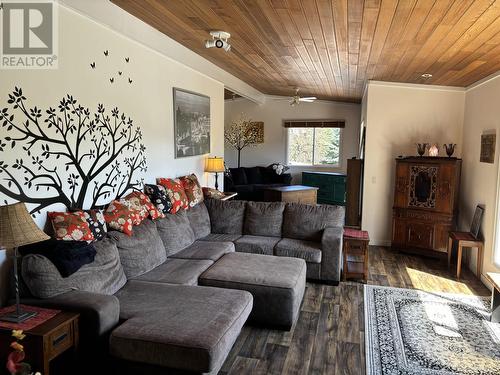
(322, 166)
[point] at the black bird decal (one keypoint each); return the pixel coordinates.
(92, 65)
(119, 73)
(111, 80)
(106, 53)
(129, 80)
(127, 59)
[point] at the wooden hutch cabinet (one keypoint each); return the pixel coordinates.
(425, 203)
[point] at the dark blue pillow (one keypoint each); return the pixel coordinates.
(67, 256)
(158, 195)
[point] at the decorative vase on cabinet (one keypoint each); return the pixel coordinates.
(425, 203)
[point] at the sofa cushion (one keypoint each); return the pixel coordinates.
(264, 218)
(142, 251)
(238, 176)
(307, 250)
(256, 244)
(205, 250)
(105, 275)
(175, 232)
(217, 237)
(253, 175)
(244, 188)
(307, 222)
(177, 326)
(177, 271)
(199, 220)
(277, 284)
(226, 217)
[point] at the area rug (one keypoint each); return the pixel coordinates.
(414, 332)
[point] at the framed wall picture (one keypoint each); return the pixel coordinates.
(258, 127)
(191, 123)
(488, 143)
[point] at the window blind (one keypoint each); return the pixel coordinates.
(314, 123)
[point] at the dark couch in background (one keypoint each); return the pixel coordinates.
(250, 183)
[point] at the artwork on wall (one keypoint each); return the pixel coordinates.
(257, 127)
(191, 123)
(122, 64)
(488, 143)
(68, 154)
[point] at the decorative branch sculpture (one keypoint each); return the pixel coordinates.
(105, 151)
(242, 133)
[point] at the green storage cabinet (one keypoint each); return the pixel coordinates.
(331, 186)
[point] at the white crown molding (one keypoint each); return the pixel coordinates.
(109, 15)
(483, 81)
(416, 86)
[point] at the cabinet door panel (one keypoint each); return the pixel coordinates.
(401, 185)
(420, 235)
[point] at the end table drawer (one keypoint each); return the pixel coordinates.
(60, 340)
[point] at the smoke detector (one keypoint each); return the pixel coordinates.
(219, 40)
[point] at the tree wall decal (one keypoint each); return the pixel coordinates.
(241, 134)
(71, 155)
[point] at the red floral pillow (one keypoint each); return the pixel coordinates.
(175, 193)
(192, 188)
(141, 199)
(119, 217)
(70, 226)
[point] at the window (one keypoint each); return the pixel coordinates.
(314, 146)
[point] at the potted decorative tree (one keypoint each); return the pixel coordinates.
(242, 133)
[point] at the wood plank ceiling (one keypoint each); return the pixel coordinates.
(330, 48)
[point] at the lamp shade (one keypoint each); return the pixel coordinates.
(17, 227)
(214, 165)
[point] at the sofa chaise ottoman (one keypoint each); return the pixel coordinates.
(277, 284)
(175, 326)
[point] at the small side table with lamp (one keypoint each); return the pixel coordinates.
(215, 165)
(17, 228)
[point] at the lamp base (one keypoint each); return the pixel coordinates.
(14, 317)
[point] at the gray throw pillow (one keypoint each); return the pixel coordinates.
(142, 251)
(105, 275)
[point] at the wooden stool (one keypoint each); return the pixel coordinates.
(465, 239)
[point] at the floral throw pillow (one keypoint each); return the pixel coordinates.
(192, 188)
(141, 199)
(139, 212)
(119, 217)
(70, 226)
(158, 195)
(97, 223)
(175, 193)
(210, 193)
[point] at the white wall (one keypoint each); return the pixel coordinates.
(479, 180)
(272, 113)
(148, 100)
(398, 116)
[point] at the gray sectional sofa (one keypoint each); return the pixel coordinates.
(177, 292)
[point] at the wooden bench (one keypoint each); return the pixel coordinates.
(494, 279)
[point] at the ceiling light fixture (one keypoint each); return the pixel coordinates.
(427, 75)
(219, 40)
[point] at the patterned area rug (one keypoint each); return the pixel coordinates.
(414, 332)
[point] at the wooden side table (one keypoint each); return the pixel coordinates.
(355, 254)
(47, 340)
(229, 196)
(494, 279)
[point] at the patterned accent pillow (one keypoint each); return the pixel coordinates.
(97, 223)
(210, 193)
(192, 188)
(139, 211)
(143, 200)
(70, 226)
(119, 217)
(158, 195)
(175, 193)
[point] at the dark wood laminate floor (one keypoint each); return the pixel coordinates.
(328, 337)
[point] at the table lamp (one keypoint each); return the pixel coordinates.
(17, 228)
(215, 165)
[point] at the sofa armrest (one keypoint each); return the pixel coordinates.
(228, 183)
(285, 178)
(331, 257)
(99, 313)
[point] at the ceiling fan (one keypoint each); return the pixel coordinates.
(296, 99)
